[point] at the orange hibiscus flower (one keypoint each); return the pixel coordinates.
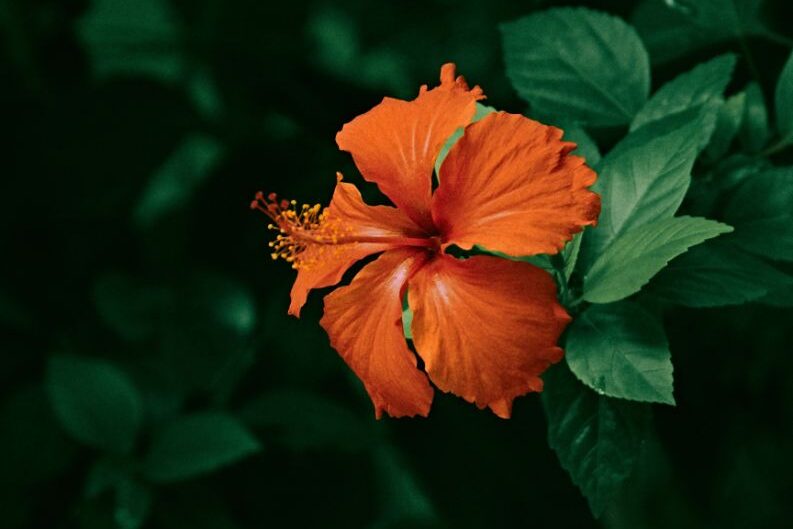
(485, 327)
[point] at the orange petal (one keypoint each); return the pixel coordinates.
(486, 327)
(510, 185)
(395, 144)
(355, 219)
(364, 323)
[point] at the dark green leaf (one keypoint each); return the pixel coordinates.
(95, 402)
(130, 308)
(579, 64)
(689, 90)
(637, 255)
(133, 501)
(173, 184)
(761, 210)
(620, 350)
(598, 439)
(645, 177)
(396, 480)
(717, 273)
(570, 254)
(672, 28)
(139, 38)
(198, 444)
(784, 103)
(304, 421)
(755, 132)
(728, 123)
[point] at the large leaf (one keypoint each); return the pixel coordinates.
(636, 256)
(761, 210)
(714, 274)
(620, 350)
(585, 145)
(95, 402)
(133, 38)
(673, 28)
(689, 90)
(784, 103)
(598, 439)
(645, 177)
(578, 64)
(197, 444)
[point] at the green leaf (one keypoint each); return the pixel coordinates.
(728, 123)
(578, 64)
(598, 439)
(715, 274)
(755, 131)
(132, 309)
(620, 350)
(784, 103)
(95, 402)
(133, 38)
(673, 28)
(585, 145)
(172, 186)
(570, 254)
(407, 320)
(481, 111)
(302, 420)
(133, 501)
(395, 479)
(689, 90)
(645, 177)
(197, 444)
(636, 256)
(761, 210)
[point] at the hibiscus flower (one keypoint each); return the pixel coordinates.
(485, 327)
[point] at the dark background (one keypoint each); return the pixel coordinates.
(161, 269)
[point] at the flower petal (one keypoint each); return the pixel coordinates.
(395, 143)
(364, 323)
(510, 186)
(356, 219)
(486, 327)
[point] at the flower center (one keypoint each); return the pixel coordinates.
(304, 234)
(310, 234)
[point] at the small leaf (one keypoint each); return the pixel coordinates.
(714, 274)
(645, 177)
(728, 123)
(761, 210)
(755, 132)
(636, 256)
(578, 64)
(481, 111)
(570, 254)
(689, 90)
(133, 38)
(303, 420)
(197, 444)
(396, 480)
(132, 309)
(620, 350)
(598, 439)
(784, 103)
(133, 501)
(173, 184)
(95, 402)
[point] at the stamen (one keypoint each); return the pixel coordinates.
(305, 235)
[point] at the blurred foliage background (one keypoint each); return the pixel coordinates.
(150, 376)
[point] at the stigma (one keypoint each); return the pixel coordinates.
(304, 235)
